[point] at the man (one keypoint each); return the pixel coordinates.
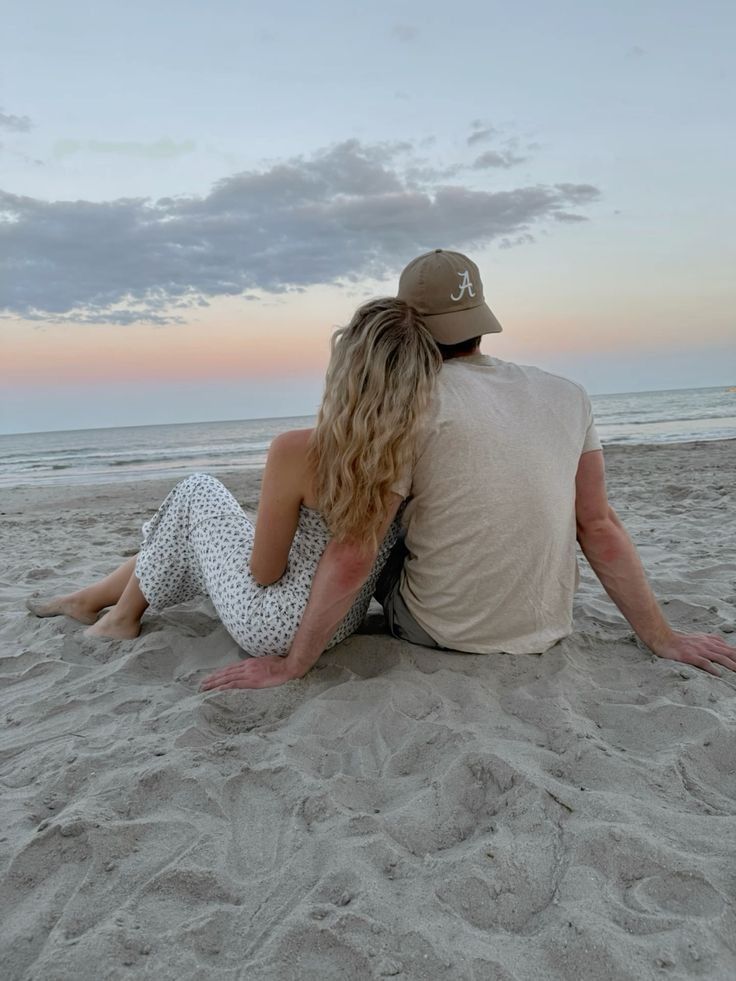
(508, 474)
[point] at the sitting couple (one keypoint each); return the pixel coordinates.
(449, 484)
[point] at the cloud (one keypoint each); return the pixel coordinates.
(23, 157)
(422, 173)
(404, 32)
(16, 124)
(497, 158)
(480, 133)
(579, 193)
(341, 215)
(511, 242)
(158, 150)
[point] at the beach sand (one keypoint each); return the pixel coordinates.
(399, 811)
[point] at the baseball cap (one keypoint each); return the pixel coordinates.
(446, 289)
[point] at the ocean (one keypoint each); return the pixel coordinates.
(139, 452)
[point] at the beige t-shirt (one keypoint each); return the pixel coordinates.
(490, 524)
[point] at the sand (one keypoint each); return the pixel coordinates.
(397, 813)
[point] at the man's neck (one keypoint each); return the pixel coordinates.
(465, 354)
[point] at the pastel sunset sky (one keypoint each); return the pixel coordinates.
(192, 196)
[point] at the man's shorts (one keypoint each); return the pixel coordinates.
(399, 620)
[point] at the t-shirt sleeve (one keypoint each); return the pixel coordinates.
(592, 440)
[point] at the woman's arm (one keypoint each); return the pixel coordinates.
(340, 575)
(282, 492)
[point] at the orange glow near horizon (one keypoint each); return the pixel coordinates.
(289, 337)
(219, 348)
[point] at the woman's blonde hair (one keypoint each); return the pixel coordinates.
(378, 382)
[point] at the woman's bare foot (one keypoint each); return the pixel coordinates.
(57, 606)
(112, 627)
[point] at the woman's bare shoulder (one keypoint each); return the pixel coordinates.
(288, 460)
(294, 442)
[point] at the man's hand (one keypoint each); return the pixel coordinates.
(698, 649)
(256, 672)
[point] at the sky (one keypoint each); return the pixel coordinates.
(193, 196)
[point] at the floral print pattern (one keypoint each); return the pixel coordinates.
(200, 542)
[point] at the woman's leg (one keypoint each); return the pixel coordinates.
(168, 567)
(123, 620)
(85, 604)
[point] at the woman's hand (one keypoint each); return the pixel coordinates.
(256, 672)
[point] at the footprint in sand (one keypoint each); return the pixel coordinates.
(680, 893)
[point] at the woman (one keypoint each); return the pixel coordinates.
(333, 481)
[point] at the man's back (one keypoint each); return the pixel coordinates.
(491, 520)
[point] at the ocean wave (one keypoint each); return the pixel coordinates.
(693, 437)
(182, 458)
(19, 455)
(629, 420)
(121, 458)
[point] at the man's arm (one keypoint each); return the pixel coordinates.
(614, 559)
(340, 575)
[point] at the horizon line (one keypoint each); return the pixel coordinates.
(307, 415)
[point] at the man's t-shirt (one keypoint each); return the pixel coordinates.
(490, 524)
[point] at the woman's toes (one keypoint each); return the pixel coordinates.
(43, 608)
(60, 606)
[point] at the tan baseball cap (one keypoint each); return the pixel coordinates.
(445, 288)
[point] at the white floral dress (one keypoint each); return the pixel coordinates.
(200, 541)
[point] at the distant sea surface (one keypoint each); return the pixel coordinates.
(139, 452)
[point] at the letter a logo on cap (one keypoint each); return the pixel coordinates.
(465, 284)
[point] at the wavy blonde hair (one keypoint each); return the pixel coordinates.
(378, 383)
